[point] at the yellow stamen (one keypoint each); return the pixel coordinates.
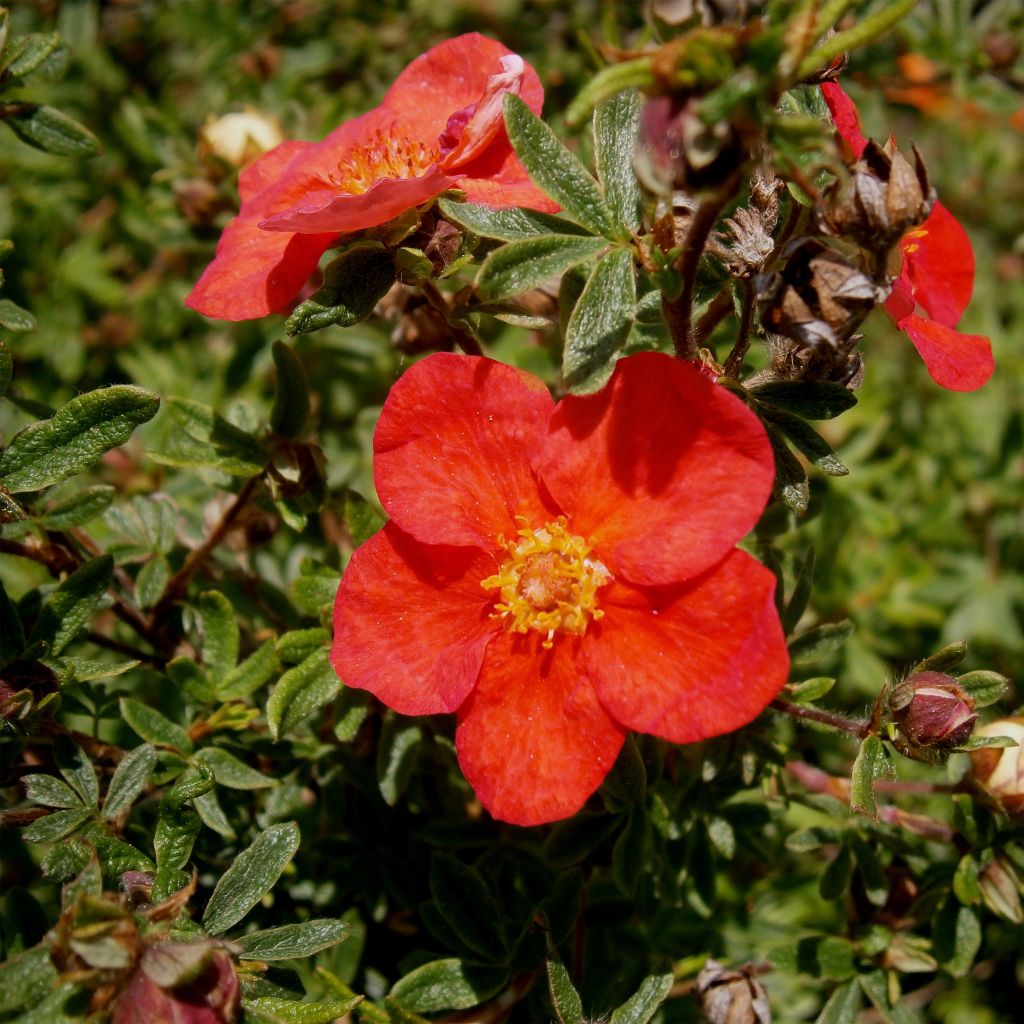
(548, 583)
(383, 156)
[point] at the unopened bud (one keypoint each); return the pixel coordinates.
(732, 996)
(933, 710)
(1001, 889)
(999, 771)
(239, 138)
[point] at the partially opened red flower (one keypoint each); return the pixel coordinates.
(440, 126)
(558, 575)
(937, 278)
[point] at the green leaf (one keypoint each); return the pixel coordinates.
(564, 997)
(465, 902)
(555, 171)
(354, 282)
(812, 400)
(65, 1004)
(117, 857)
(292, 1011)
(361, 518)
(626, 783)
(448, 985)
(68, 608)
(801, 594)
(79, 508)
(204, 438)
(152, 581)
(985, 687)
(956, 936)
(74, 764)
(965, 880)
(876, 988)
(26, 978)
(643, 1004)
(231, 772)
(631, 849)
(153, 726)
(49, 791)
(57, 825)
(835, 879)
(12, 636)
(188, 677)
(806, 440)
(872, 762)
(220, 634)
(48, 129)
(86, 670)
(315, 589)
(872, 874)
(571, 841)
(397, 751)
(251, 674)
(177, 826)
(290, 411)
(65, 860)
(809, 690)
(820, 641)
(942, 660)
(600, 323)
(510, 225)
(128, 780)
(616, 123)
(75, 437)
(843, 1005)
(253, 874)
(212, 814)
(14, 318)
(520, 266)
(301, 691)
(791, 487)
(293, 940)
(36, 53)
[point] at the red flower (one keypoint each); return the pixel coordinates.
(440, 126)
(937, 276)
(560, 574)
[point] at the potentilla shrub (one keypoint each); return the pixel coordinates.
(501, 694)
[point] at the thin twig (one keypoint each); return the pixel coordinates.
(718, 309)
(857, 727)
(735, 359)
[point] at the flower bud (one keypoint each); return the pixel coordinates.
(999, 771)
(239, 138)
(933, 710)
(732, 996)
(1001, 889)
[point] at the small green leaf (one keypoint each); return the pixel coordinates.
(253, 874)
(555, 171)
(801, 593)
(301, 691)
(212, 814)
(956, 936)
(74, 764)
(820, 641)
(49, 791)
(627, 781)
(943, 660)
(843, 1005)
(985, 687)
(251, 674)
(397, 751)
(297, 645)
(564, 997)
(354, 282)
(36, 53)
(117, 857)
(14, 318)
(876, 988)
(616, 123)
(204, 438)
(315, 589)
(809, 690)
(835, 879)
(511, 225)
(631, 849)
(448, 985)
(292, 1011)
(600, 323)
(872, 874)
(291, 398)
(69, 607)
(153, 726)
(177, 826)
(220, 634)
(231, 772)
(75, 437)
(361, 518)
(808, 839)
(806, 440)
(128, 780)
(465, 902)
(520, 266)
(643, 1004)
(26, 978)
(965, 880)
(571, 841)
(812, 400)
(293, 940)
(152, 581)
(48, 129)
(79, 508)
(57, 825)
(791, 487)
(872, 762)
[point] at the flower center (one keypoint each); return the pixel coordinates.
(383, 156)
(548, 583)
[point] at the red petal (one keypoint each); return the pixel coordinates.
(411, 622)
(452, 450)
(663, 471)
(690, 662)
(342, 213)
(959, 362)
(939, 261)
(533, 740)
(450, 76)
(844, 116)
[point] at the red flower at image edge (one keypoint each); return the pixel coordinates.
(440, 126)
(558, 575)
(937, 275)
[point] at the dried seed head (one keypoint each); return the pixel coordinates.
(732, 996)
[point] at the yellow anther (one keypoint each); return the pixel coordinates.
(383, 156)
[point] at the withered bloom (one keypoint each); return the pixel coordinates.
(732, 996)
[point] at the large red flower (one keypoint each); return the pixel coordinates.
(558, 575)
(937, 277)
(440, 126)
